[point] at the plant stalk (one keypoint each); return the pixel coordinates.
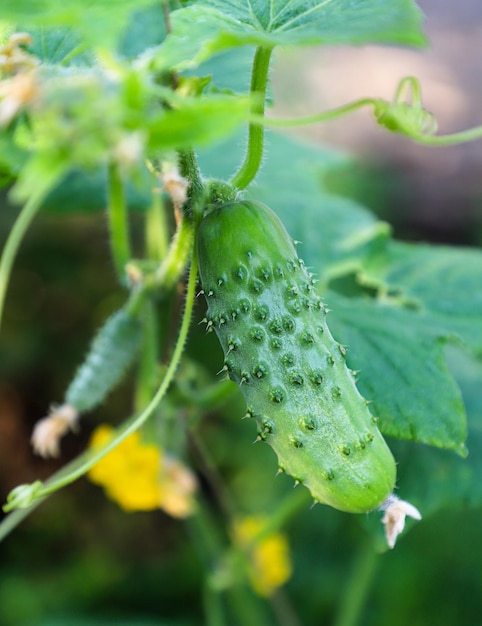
(358, 586)
(254, 154)
(118, 222)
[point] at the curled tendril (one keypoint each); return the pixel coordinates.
(406, 114)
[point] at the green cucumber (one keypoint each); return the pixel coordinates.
(111, 353)
(291, 371)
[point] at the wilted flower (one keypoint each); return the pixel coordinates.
(175, 185)
(394, 519)
(48, 431)
(15, 93)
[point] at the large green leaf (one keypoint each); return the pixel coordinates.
(400, 356)
(59, 46)
(146, 28)
(99, 22)
(210, 26)
(437, 479)
(197, 121)
(86, 192)
(441, 281)
(434, 480)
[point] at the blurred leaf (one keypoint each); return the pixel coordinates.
(210, 26)
(400, 356)
(433, 479)
(11, 158)
(92, 620)
(230, 69)
(60, 46)
(336, 234)
(197, 121)
(87, 118)
(86, 192)
(442, 281)
(99, 22)
(438, 479)
(146, 27)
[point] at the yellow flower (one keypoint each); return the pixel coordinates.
(269, 559)
(139, 477)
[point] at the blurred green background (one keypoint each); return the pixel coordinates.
(79, 560)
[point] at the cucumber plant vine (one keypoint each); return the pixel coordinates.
(143, 118)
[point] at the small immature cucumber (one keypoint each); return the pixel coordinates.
(111, 353)
(278, 348)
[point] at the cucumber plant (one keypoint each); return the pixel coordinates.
(134, 123)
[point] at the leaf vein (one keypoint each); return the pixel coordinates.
(304, 14)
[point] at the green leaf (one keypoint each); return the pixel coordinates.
(99, 22)
(210, 26)
(230, 70)
(336, 234)
(434, 479)
(146, 28)
(86, 192)
(11, 158)
(400, 356)
(441, 281)
(197, 121)
(60, 46)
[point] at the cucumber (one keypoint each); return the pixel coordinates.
(278, 348)
(111, 353)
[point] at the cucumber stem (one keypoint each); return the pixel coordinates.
(118, 222)
(156, 228)
(325, 116)
(254, 154)
(189, 169)
(358, 586)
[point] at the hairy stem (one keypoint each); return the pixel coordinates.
(325, 116)
(357, 587)
(254, 154)
(118, 222)
(189, 169)
(464, 136)
(449, 140)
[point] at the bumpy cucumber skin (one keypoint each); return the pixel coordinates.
(111, 353)
(292, 373)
